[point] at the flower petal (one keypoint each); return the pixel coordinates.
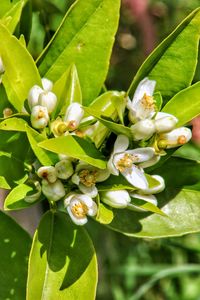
(117, 199)
(89, 191)
(142, 154)
(121, 143)
(111, 166)
(136, 177)
(77, 221)
(145, 86)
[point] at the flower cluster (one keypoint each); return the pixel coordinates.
(76, 182)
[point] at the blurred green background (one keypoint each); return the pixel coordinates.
(132, 269)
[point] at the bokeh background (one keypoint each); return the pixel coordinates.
(129, 268)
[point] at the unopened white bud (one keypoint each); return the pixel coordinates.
(64, 169)
(47, 172)
(47, 84)
(39, 117)
(2, 69)
(117, 199)
(143, 129)
(36, 195)
(49, 100)
(33, 95)
(174, 138)
(53, 191)
(165, 122)
(73, 115)
(7, 112)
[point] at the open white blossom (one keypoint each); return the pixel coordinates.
(127, 162)
(79, 206)
(117, 199)
(143, 105)
(174, 138)
(86, 177)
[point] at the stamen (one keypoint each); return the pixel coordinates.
(88, 178)
(72, 125)
(79, 210)
(148, 102)
(126, 162)
(181, 140)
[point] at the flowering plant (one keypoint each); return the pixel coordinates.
(93, 155)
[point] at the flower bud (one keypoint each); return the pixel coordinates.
(174, 138)
(39, 117)
(2, 69)
(64, 169)
(117, 199)
(59, 128)
(49, 100)
(30, 198)
(143, 129)
(47, 84)
(47, 172)
(53, 191)
(33, 95)
(7, 112)
(73, 115)
(165, 122)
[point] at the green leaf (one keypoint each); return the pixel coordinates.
(13, 124)
(14, 248)
(12, 17)
(172, 64)
(84, 38)
(185, 105)
(15, 199)
(146, 206)
(158, 99)
(20, 70)
(189, 151)
(62, 261)
(105, 214)
(46, 158)
(114, 127)
(75, 147)
(6, 6)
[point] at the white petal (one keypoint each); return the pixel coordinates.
(148, 198)
(156, 189)
(86, 199)
(117, 199)
(74, 113)
(2, 69)
(176, 137)
(48, 173)
(142, 154)
(150, 162)
(47, 84)
(48, 99)
(69, 197)
(102, 175)
(145, 86)
(92, 211)
(136, 177)
(77, 221)
(90, 191)
(121, 143)
(53, 191)
(165, 122)
(111, 166)
(143, 129)
(64, 169)
(33, 95)
(75, 179)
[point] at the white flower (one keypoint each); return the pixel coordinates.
(47, 84)
(64, 169)
(39, 117)
(147, 198)
(53, 191)
(48, 99)
(33, 95)
(47, 172)
(165, 122)
(36, 195)
(174, 138)
(143, 105)
(80, 206)
(117, 199)
(156, 189)
(124, 161)
(87, 176)
(73, 115)
(143, 129)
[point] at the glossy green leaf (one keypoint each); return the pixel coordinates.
(6, 6)
(172, 64)
(15, 199)
(189, 151)
(114, 127)
(75, 147)
(14, 248)
(105, 214)
(20, 70)
(158, 100)
(62, 262)
(12, 17)
(46, 158)
(146, 206)
(185, 105)
(13, 124)
(84, 38)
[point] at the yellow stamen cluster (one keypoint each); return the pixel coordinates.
(126, 162)
(79, 210)
(148, 102)
(88, 177)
